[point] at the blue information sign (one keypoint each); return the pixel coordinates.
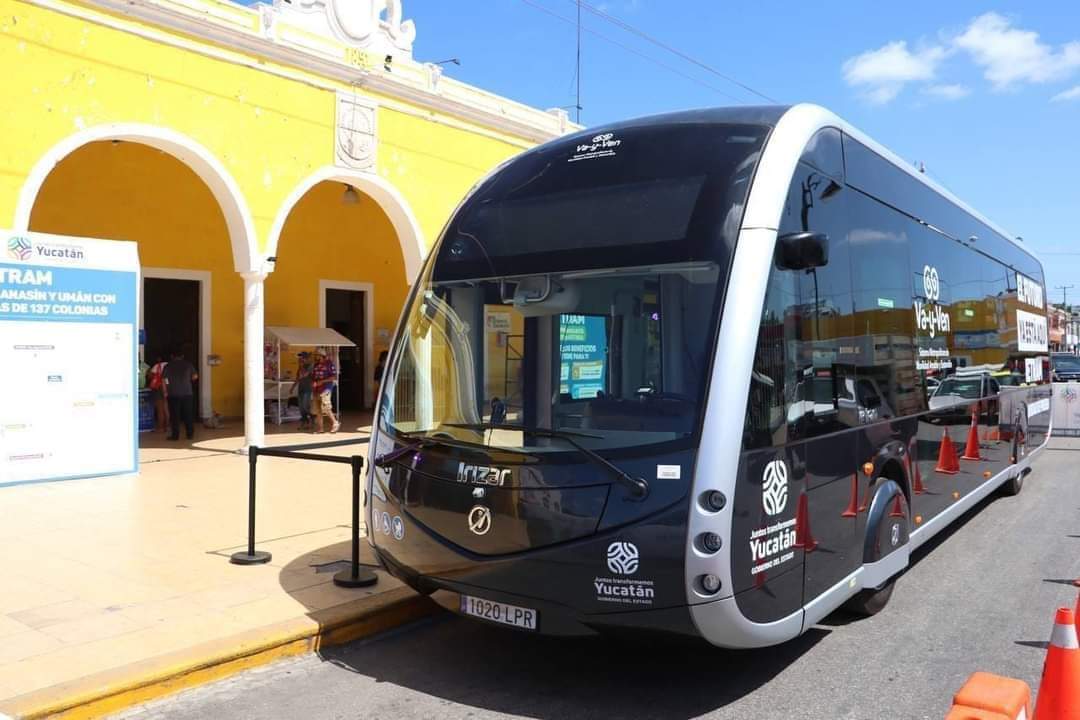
(68, 318)
(583, 355)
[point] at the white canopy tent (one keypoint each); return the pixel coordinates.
(300, 337)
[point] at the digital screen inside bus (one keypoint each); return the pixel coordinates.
(583, 355)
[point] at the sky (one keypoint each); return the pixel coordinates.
(985, 95)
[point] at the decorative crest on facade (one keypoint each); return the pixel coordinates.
(354, 132)
(372, 25)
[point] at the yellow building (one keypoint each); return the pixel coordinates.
(282, 164)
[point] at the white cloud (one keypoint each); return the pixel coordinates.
(948, 92)
(884, 72)
(1009, 55)
(1072, 93)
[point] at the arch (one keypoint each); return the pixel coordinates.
(389, 199)
(238, 219)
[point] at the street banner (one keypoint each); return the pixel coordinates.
(68, 357)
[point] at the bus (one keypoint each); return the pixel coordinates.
(670, 376)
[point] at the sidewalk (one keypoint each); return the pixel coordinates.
(103, 573)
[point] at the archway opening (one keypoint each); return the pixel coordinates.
(125, 190)
(340, 265)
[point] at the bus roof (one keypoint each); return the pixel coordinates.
(799, 122)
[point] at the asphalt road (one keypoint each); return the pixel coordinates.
(979, 597)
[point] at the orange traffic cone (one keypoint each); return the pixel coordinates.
(804, 539)
(852, 508)
(971, 450)
(913, 467)
(947, 462)
(1059, 689)
(897, 509)
(993, 434)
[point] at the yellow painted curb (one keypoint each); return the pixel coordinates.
(113, 690)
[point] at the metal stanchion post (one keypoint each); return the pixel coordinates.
(251, 556)
(354, 576)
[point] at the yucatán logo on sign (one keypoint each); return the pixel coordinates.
(774, 487)
(622, 558)
(930, 316)
(19, 248)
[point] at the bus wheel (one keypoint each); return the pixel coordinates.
(887, 527)
(871, 601)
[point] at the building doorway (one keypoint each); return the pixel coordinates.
(172, 320)
(346, 311)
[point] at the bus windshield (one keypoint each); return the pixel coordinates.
(577, 289)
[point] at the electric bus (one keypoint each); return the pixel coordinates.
(670, 375)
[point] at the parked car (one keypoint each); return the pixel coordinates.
(954, 398)
(1064, 367)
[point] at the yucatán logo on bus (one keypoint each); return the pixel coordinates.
(930, 316)
(623, 560)
(774, 487)
(767, 543)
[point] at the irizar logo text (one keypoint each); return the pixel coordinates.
(482, 475)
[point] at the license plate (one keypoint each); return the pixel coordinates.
(519, 617)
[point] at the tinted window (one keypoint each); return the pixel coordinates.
(800, 369)
(773, 380)
(656, 193)
(882, 292)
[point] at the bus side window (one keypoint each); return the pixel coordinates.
(772, 381)
(817, 203)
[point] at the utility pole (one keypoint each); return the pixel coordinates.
(1064, 289)
(577, 105)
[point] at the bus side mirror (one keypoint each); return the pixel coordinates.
(802, 250)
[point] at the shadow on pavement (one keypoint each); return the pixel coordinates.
(505, 671)
(308, 578)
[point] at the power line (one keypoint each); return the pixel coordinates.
(673, 50)
(634, 51)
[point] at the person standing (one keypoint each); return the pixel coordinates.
(179, 377)
(156, 382)
(304, 386)
(325, 374)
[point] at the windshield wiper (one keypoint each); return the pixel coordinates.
(639, 487)
(388, 458)
(423, 441)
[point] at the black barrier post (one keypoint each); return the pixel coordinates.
(251, 556)
(355, 577)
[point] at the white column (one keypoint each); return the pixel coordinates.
(253, 358)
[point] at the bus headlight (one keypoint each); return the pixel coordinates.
(710, 542)
(710, 583)
(713, 501)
